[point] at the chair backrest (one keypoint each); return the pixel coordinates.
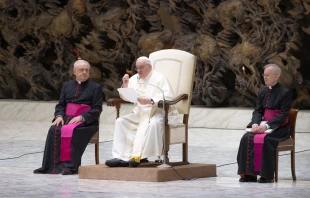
(292, 121)
(179, 68)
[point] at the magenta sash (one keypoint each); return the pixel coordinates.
(67, 130)
(258, 147)
(259, 138)
(270, 114)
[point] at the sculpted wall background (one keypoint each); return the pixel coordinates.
(232, 39)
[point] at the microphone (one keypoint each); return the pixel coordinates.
(163, 165)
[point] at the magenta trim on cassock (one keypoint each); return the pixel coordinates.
(67, 130)
(258, 146)
(259, 138)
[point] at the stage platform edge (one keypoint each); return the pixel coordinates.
(147, 174)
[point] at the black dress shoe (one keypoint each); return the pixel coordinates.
(38, 171)
(124, 163)
(144, 160)
(248, 178)
(133, 163)
(264, 180)
(243, 179)
(68, 172)
(116, 163)
(113, 162)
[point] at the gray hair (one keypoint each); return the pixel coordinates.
(275, 68)
(78, 62)
(145, 59)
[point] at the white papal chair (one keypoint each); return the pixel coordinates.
(179, 68)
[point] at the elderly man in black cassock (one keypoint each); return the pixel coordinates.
(74, 124)
(256, 155)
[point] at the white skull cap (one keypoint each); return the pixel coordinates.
(143, 58)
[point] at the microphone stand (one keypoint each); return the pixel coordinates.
(163, 165)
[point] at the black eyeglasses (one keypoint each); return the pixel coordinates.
(81, 70)
(265, 75)
(140, 68)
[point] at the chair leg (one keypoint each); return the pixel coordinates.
(277, 166)
(293, 164)
(167, 145)
(97, 152)
(185, 152)
(166, 156)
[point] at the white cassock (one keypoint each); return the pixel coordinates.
(139, 134)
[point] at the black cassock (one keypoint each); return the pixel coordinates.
(88, 93)
(278, 97)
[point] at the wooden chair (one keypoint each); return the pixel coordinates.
(95, 140)
(288, 145)
(179, 69)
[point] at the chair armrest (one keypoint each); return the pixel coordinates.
(115, 101)
(171, 102)
(174, 101)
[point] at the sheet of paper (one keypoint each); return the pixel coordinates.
(129, 94)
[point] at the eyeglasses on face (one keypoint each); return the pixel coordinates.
(140, 68)
(83, 69)
(267, 75)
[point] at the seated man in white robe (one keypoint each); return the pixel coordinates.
(139, 134)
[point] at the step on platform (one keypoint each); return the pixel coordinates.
(148, 172)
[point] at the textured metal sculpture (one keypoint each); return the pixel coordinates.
(232, 39)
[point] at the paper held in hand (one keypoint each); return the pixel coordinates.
(128, 94)
(261, 123)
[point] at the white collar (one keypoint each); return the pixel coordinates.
(270, 87)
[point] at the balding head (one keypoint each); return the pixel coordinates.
(81, 70)
(80, 62)
(275, 68)
(271, 74)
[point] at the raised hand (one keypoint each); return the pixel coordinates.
(125, 81)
